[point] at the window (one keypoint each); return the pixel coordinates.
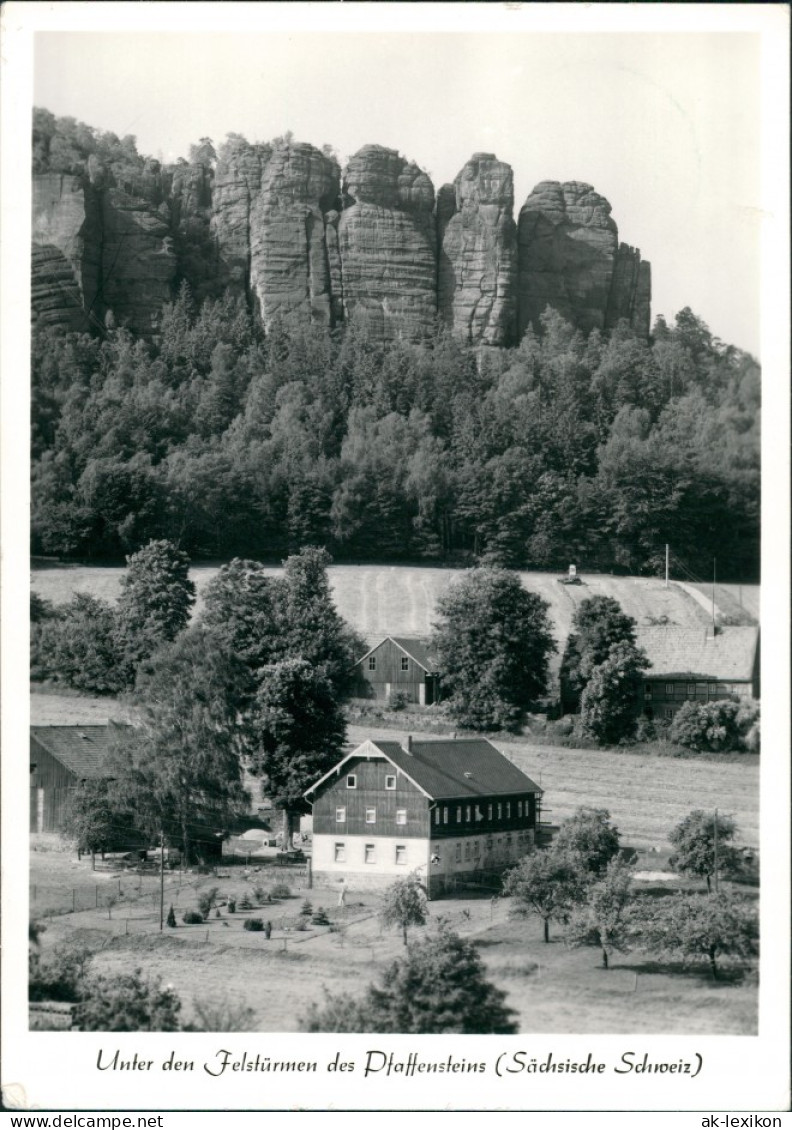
(401, 815)
(713, 688)
(478, 814)
(508, 810)
(458, 853)
(668, 714)
(519, 808)
(437, 816)
(401, 853)
(390, 782)
(341, 816)
(339, 854)
(351, 781)
(477, 849)
(372, 663)
(370, 854)
(445, 813)
(489, 811)
(691, 688)
(648, 690)
(669, 688)
(405, 663)
(467, 814)
(500, 811)
(467, 849)
(459, 815)
(371, 816)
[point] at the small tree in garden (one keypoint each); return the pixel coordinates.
(438, 986)
(694, 840)
(710, 727)
(608, 702)
(126, 1002)
(603, 921)
(547, 883)
(703, 928)
(404, 904)
(589, 835)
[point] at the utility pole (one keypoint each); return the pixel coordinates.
(162, 880)
(714, 561)
(666, 576)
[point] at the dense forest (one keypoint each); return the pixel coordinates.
(597, 449)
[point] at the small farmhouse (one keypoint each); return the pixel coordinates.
(446, 809)
(397, 665)
(697, 665)
(61, 759)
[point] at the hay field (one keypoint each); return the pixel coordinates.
(381, 600)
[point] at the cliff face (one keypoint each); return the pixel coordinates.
(387, 245)
(279, 224)
(477, 285)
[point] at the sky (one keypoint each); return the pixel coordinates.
(665, 125)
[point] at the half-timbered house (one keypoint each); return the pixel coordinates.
(444, 809)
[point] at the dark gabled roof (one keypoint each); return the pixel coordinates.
(414, 648)
(80, 749)
(696, 653)
(451, 767)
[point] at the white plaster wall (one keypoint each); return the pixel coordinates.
(323, 855)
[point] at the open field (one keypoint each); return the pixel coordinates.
(552, 988)
(381, 600)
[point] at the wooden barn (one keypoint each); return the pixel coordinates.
(446, 809)
(697, 665)
(61, 759)
(398, 665)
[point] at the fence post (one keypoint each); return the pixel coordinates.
(74, 899)
(96, 901)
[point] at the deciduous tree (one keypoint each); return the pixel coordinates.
(608, 705)
(492, 641)
(694, 841)
(156, 598)
(603, 921)
(591, 837)
(547, 883)
(703, 928)
(404, 904)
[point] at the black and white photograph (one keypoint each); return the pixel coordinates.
(395, 410)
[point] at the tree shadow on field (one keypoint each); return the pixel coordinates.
(728, 975)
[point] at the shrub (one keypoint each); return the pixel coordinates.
(645, 730)
(232, 906)
(192, 917)
(59, 976)
(126, 1002)
(398, 700)
(281, 891)
(221, 1015)
(245, 903)
(306, 909)
(171, 919)
(320, 918)
(707, 727)
(206, 901)
(260, 894)
(254, 924)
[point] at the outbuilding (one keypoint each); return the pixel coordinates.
(398, 665)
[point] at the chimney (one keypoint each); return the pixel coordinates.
(409, 744)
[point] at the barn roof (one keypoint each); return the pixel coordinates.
(81, 749)
(414, 648)
(449, 767)
(729, 655)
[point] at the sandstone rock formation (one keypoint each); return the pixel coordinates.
(477, 275)
(66, 233)
(278, 224)
(289, 273)
(631, 291)
(387, 245)
(567, 250)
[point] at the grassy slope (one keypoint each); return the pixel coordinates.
(397, 600)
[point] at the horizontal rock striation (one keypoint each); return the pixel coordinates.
(279, 224)
(567, 251)
(387, 245)
(477, 274)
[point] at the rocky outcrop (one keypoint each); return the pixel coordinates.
(631, 291)
(66, 234)
(279, 225)
(138, 260)
(477, 274)
(387, 245)
(289, 272)
(567, 251)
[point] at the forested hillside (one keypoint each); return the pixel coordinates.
(593, 447)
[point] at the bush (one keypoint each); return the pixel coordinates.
(281, 891)
(306, 909)
(707, 727)
(221, 1015)
(232, 906)
(171, 919)
(60, 975)
(254, 924)
(193, 917)
(126, 1003)
(645, 730)
(206, 901)
(320, 918)
(245, 903)
(398, 700)
(260, 894)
